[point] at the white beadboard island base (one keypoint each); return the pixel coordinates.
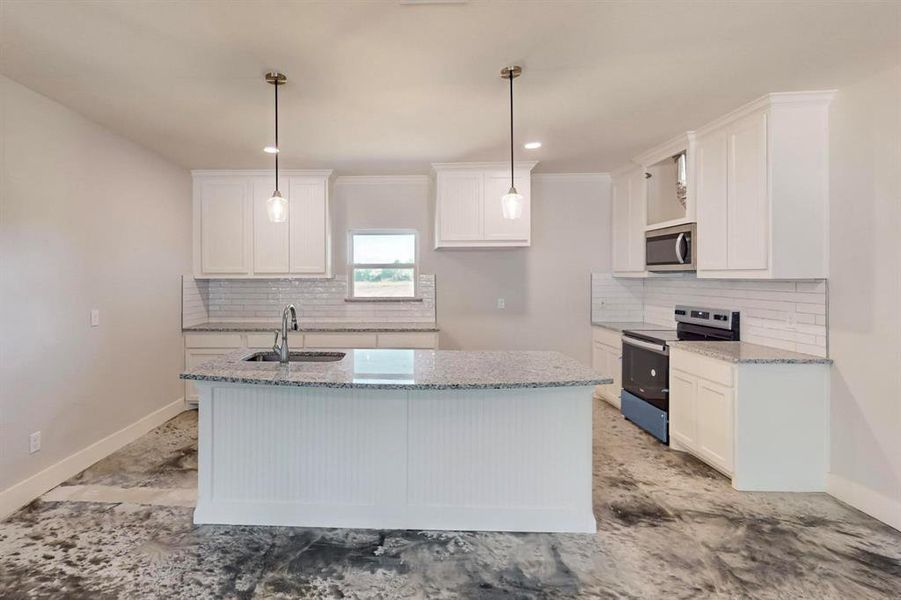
(492, 460)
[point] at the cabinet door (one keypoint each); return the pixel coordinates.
(683, 407)
(620, 223)
(637, 218)
(496, 227)
(615, 363)
(460, 205)
(711, 200)
(195, 357)
(599, 358)
(748, 208)
(614, 369)
(224, 226)
(308, 220)
(715, 424)
(270, 240)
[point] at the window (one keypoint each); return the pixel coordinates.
(382, 264)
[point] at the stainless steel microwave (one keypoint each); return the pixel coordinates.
(671, 249)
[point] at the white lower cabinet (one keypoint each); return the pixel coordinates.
(195, 357)
(606, 359)
(762, 424)
(701, 418)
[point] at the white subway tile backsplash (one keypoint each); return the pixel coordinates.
(317, 301)
(194, 301)
(783, 314)
(616, 300)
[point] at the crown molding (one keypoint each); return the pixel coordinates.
(822, 97)
(261, 172)
(483, 165)
(382, 179)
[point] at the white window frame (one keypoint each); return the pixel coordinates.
(351, 265)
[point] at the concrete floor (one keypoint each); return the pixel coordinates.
(668, 526)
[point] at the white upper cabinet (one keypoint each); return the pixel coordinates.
(308, 222)
(222, 226)
(669, 182)
(468, 211)
(270, 240)
(628, 222)
(762, 190)
(233, 236)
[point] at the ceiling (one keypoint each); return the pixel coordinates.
(388, 88)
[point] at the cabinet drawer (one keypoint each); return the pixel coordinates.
(407, 340)
(339, 340)
(605, 336)
(267, 340)
(213, 340)
(700, 366)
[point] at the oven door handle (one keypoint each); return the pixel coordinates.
(658, 348)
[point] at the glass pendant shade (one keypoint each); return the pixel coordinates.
(511, 204)
(277, 207)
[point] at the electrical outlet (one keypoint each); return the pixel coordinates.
(34, 442)
(501, 304)
(791, 320)
(95, 317)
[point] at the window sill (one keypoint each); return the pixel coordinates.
(383, 299)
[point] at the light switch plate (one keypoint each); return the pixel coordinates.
(501, 304)
(95, 317)
(34, 442)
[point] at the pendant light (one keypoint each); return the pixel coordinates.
(511, 202)
(277, 205)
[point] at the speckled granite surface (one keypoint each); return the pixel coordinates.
(668, 527)
(743, 352)
(407, 369)
(621, 326)
(314, 327)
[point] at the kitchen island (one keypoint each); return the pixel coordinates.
(399, 439)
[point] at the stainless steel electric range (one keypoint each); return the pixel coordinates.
(645, 395)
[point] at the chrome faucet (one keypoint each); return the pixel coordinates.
(282, 350)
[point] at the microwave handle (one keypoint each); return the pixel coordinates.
(680, 255)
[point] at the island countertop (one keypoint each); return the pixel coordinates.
(407, 369)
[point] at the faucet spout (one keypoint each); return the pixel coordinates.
(282, 349)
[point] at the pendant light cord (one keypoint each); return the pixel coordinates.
(511, 129)
(276, 134)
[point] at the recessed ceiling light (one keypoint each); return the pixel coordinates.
(532, 146)
(270, 150)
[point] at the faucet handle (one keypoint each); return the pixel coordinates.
(275, 346)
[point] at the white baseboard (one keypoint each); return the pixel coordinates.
(879, 506)
(20, 494)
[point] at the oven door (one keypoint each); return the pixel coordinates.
(670, 249)
(646, 371)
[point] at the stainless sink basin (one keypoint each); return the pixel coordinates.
(297, 357)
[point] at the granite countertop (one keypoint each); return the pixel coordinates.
(743, 352)
(620, 326)
(407, 369)
(360, 327)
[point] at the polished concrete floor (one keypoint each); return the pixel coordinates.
(668, 527)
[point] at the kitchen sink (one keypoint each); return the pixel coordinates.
(296, 357)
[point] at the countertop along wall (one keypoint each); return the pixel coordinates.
(89, 220)
(544, 287)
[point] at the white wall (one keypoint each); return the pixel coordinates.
(545, 287)
(865, 295)
(89, 220)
